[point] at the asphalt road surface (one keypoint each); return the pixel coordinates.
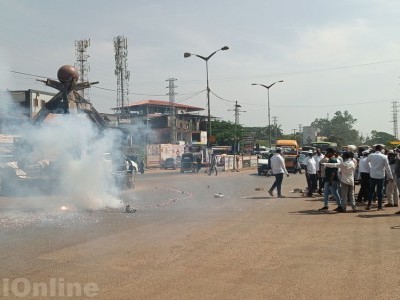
(195, 236)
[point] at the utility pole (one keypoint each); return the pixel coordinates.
(122, 73)
(294, 133)
(275, 120)
(82, 64)
(235, 143)
(394, 120)
(171, 93)
(301, 132)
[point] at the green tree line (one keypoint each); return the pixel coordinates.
(339, 129)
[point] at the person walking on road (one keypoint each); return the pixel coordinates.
(379, 169)
(213, 165)
(278, 169)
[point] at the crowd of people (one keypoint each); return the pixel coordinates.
(333, 175)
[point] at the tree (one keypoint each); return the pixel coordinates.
(339, 129)
(379, 137)
(225, 132)
(262, 133)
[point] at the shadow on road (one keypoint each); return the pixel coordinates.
(377, 216)
(314, 212)
(259, 197)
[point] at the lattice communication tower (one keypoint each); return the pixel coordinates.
(394, 120)
(171, 93)
(82, 64)
(122, 73)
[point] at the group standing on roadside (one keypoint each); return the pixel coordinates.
(333, 176)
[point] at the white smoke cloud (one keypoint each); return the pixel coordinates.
(66, 155)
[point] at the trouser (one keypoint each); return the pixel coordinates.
(277, 183)
(311, 183)
(378, 183)
(332, 188)
(213, 169)
(364, 189)
(398, 183)
(392, 194)
(320, 182)
(347, 194)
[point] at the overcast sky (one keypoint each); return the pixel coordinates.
(332, 55)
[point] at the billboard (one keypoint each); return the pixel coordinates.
(199, 138)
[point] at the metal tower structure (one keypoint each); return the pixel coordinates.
(237, 114)
(171, 93)
(394, 120)
(82, 64)
(122, 73)
(275, 121)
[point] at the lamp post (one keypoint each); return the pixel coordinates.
(269, 110)
(187, 54)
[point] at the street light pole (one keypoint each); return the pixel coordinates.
(269, 109)
(187, 54)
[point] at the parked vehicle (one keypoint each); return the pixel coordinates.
(263, 163)
(188, 162)
(290, 150)
(169, 163)
(323, 145)
(302, 159)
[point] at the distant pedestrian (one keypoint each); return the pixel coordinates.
(363, 169)
(320, 176)
(311, 173)
(213, 165)
(379, 169)
(297, 165)
(332, 182)
(347, 169)
(278, 169)
(392, 193)
(198, 163)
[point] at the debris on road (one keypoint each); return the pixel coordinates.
(258, 189)
(130, 209)
(219, 195)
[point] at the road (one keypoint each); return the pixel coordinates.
(184, 242)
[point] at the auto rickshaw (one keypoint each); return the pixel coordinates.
(188, 162)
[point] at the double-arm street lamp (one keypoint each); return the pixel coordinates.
(269, 110)
(187, 54)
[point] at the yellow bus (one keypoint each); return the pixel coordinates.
(290, 152)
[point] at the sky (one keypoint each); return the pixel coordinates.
(332, 55)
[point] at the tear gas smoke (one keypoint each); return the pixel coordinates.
(71, 146)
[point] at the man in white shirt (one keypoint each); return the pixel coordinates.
(347, 168)
(379, 168)
(363, 169)
(392, 193)
(311, 173)
(278, 169)
(320, 180)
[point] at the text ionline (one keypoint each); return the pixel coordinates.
(55, 287)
